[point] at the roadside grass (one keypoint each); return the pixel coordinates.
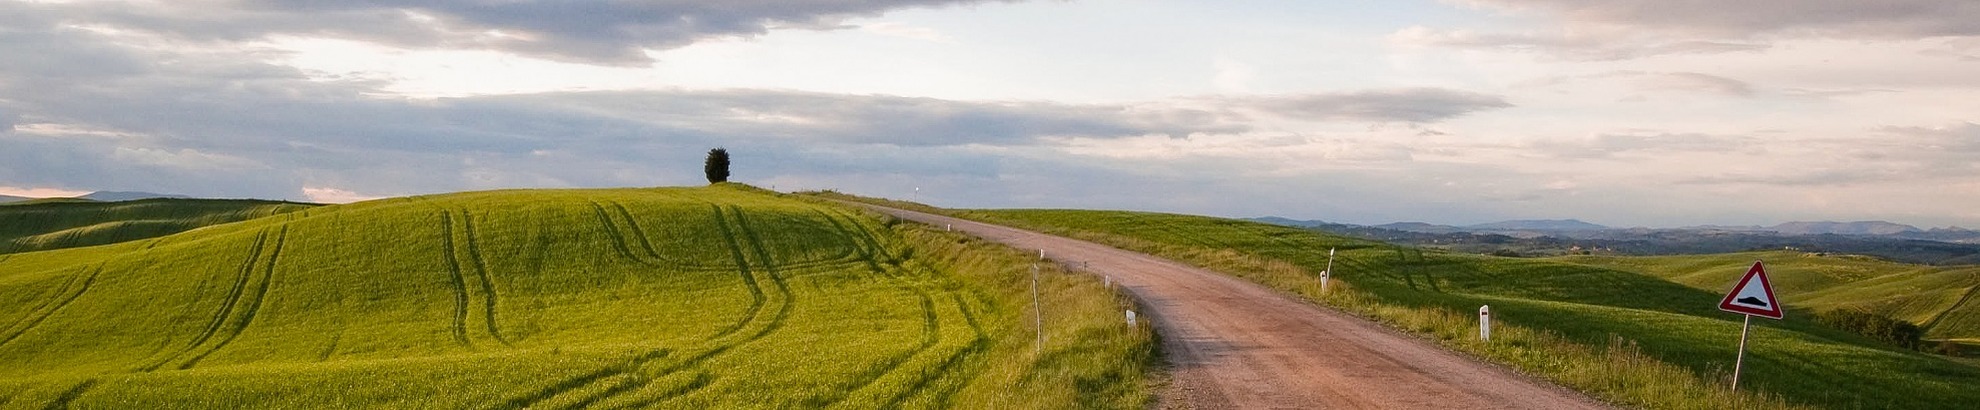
(718, 297)
(1627, 338)
(47, 225)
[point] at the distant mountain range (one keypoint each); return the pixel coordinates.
(1557, 237)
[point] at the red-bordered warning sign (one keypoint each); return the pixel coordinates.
(1754, 295)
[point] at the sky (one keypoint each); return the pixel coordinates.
(1655, 113)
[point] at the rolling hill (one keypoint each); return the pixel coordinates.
(1635, 339)
(1938, 299)
(28, 227)
(718, 297)
(10, 198)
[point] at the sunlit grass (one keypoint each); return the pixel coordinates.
(721, 297)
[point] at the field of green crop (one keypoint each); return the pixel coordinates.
(45, 225)
(1625, 337)
(718, 297)
(1938, 299)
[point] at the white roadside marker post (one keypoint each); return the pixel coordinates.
(1130, 318)
(1329, 272)
(1485, 323)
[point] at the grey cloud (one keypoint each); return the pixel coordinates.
(873, 119)
(1411, 105)
(602, 32)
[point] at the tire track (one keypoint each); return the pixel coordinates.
(488, 295)
(1929, 324)
(636, 366)
(770, 268)
(757, 298)
(248, 315)
(68, 282)
(70, 396)
(31, 324)
(638, 233)
(612, 229)
(459, 327)
(226, 309)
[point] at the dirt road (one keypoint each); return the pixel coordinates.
(1238, 345)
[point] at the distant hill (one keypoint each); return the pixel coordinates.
(1540, 225)
(10, 198)
(117, 196)
(1894, 241)
(67, 222)
(1420, 227)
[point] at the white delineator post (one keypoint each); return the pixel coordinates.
(1130, 318)
(1329, 272)
(1485, 323)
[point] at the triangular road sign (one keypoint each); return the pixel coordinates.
(1754, 295)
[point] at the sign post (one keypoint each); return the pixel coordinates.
(1485, 323)
(1753, 296)
(1037, 315)
(1328, 272)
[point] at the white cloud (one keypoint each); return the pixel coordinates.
(334, 196)
(40, 192)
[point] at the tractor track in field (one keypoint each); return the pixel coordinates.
(253, 308)
(1963, 299)
(459, 328)
(70, 395)
(873, 252)
(67, 282)
(619, 241)
(1233, 344)
(488, 294)
(37, 319)
(631, 375)
(246, 272)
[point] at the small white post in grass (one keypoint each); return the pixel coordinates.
(1110, 281)
(1130, 318)
(1485, 323)
(1327, 273)
(1041, 254)
(1037, 315)
(948, 227)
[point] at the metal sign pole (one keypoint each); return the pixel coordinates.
(1037, 316)
(1740, 361)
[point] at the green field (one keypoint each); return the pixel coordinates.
(719, 297)
(1629, 338)
(56, 224)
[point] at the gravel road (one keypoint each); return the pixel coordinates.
(1233, 344)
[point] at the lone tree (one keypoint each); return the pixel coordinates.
(718, 166)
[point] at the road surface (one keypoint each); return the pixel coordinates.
(1233, 344)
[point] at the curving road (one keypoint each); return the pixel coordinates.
(1238, 345)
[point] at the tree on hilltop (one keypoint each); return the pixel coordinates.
(717, 166)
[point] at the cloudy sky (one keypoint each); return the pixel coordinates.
(1622, 112)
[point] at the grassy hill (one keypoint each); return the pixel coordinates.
(1939, 299)
(719, 297)
(55, 224)
(1630, 338)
